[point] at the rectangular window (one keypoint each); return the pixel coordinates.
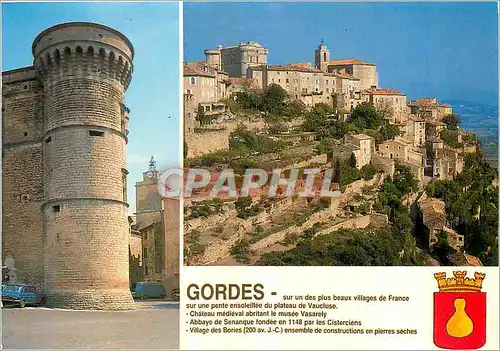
(124, 184)
(192, 80)
(146, 273)
(145, 253)
(96, 133)
(56, 209)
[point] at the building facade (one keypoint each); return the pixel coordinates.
(158, 222)
(390, 102)
(365, 148)
(429, 109)
(236, 59)
(65, 225)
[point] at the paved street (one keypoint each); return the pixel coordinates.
(154, 325)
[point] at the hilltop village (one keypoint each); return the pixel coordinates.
(415, 188)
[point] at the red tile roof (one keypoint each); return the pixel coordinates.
(349, 61)
(344, 75)
(427, 102)
(199, 69)
(416, 118)
(383, 92)
(246, 82)
(297, 68)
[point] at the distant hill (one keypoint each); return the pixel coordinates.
(480, 119)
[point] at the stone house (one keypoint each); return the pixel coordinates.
(433, 129)
(429, 109)
(391, 101)
(136, 270)
(158, 223)
(447, 163)
(347, 95)
(414, 130)
(152, 255)
(305, 83)
(397, 149)
(365, 145)
(366, 72)
(434, 220)
(204, 86)
(238, 85)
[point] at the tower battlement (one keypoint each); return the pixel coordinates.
(85, 49)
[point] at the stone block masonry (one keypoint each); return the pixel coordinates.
(65, 226)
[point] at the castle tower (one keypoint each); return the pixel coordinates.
(213, 57)
(322, 57)
(85, 69)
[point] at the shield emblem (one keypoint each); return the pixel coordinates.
(459, 320)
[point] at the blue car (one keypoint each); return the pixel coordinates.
(21, 295)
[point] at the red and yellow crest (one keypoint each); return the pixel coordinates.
(459, 311)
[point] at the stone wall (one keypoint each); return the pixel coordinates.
(384, 164)
(294, 229)
(317, 159)
(135, 259)
(215, 250)
(203, 223)
(22, 163)
(357, 186)
(207, 142)
(172, 212)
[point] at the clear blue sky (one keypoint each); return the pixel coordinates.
(153, 95)
(447, 50)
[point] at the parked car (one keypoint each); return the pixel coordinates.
(147, 290)
(21, 295)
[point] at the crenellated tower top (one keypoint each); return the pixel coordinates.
(83, 48)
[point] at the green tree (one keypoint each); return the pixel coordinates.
(450, 137)
(388, 131)
(352, 161)
(277, 128)
(274, 98)
(336, 174)
(325, 146)
(404, 180)
(441, 249)
(452, 121)
(368, 171)
(365, 116)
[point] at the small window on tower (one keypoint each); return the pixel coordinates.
(96, 133)
(56, 209)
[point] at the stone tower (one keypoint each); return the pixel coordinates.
(213, 57)
(85, 69)
(322, 57)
